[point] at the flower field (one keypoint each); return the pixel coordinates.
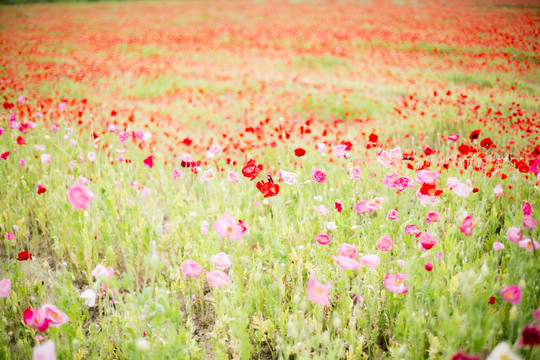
(270, 180)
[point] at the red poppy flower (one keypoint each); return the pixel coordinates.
(348, 145)
(187, 141)
(463, 149)
(430, 189)
(407, 157)
(149, 161)
(299, 152)
(4, 155)
(428, 151)
(462, 356)
(523, 167)
(491, 300)
(486, 143)
(373, 138)
(41, 189)
(474, 135)
(250, 169)
(268, 189)
(338, 206)
(24, 255)
(21, 141)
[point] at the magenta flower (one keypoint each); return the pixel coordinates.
(347, 250)
(512, 294)
(529, 222)
(385, 243)
(317, 292)
(36, 318)
(318, 175)
(526, 208)
(191, 268)
(221, 260)
(346, 263)
(394, 283)
(5, 288)
(411, 230)
(10, 236)
(55, 316)
(467, 225)
(45, 351)
(149, 161)
(370, 260)
(217, 278)
(453, 138)
(323, 239)
(228, 228)
(392, 214)
(432, 217)
(79, 196)
(514, 234)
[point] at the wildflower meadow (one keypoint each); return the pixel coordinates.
(270, 180)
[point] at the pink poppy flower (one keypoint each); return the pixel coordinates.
(36, 319)
(498, 246)
(289, 178)
(426, 199)
(79, 196)
(321, 147)
(46, 158)
(221, 260)
(526, 208)
(149, 161)
(321, 209)
(385, 243)
(191, 268)
(528, 244)
(411, 229)
(145, 192)
(375, 203)
(346, 263)
(347, 250)
(204, 228)
(208, 175)
(394, 283)
(5, 288)
(452, 182)
(22, 163)
(535, 167)
(512, 294)
(432, 217)
(21, 99)
(514, 234)
(498, 191)
(389, 180)
(45, 351)
(317, 292)
(318, 175)
(361, 207)
(340, 151)
(400, 262)
(91, 156)
(370, 260)
(233, 177)
(323, 239)
(529, 222)
(355, 173)
(102, 271)
(62, 106)
(392, 214)
(177, 173)
(139, 134)
(228, 228)
(536, 314)
(10, 236)
(426, 177)
(462, 190)
(123, 136)
(385, 159)
(217, 278)
(427, 241)
(467, 225)
(213, 151)
(453, 138)
(331, 226)
(402, 183)
(396, 153)
(55, 316)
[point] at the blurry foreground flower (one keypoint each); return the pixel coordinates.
(502, 352)
(317, 292)
(45, 351)
(89, 297)
(79, 196)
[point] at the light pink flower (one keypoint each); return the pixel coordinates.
(514, 234)
(36, 319)
(39, 147)
(21, 99)
(145, 192)
(427, 241)
(385, 159)
(370, 260)
(102, 271)
(79, 196)
(528, 244)
(355, 173)
(385, 243)
(228, 228)
(462, 190)
(221, 260)
(411, 229)
(213, 151)
(529, 222)
(323, 239)
(317, 292)
(217, 278)
(45, 351)
(55, 316)
(426, 176)
(89, 297)
(139, 134)
(512, 294)
(46, 158)
(62, 106)
(318, 175)
(452, 182)
(346, 263)
(208, 175)
(394, 283)
(191, 268)
(347, 250)
(321, 209)
(432, 217)
(22, 163)
(375, 203)
(400, 262)
(392, 214)
(498, 246)
(361, 207)
(396, 153)
(331, 226)
(123, 136)
(91, 156)
(177, 173)
(321, 147)
(5, 288)
(498, 191)
(389, 180)
(289, 178)
(233, 177)
(467, 225)
(204, 228)
(340, 151)
(426, 199)
(526, 208)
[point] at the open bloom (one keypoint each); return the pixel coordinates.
(467, 225)
(289, 178)
(394, 283)
(55, 316)
(529, 244)
(221, 260)
(102, 271)
(512, 294)
(318, 175)
(89, 297)
(392, 214)
(217, 278)
(361, 207)
(432, 217)
(322, 239)
(498, 191)
(427, 241)
(208, 175)
(5, 288)
(45, 351)
(177, 173)
(529, 222)
(385, 243)
(370, 260)
(228, 228)
(530, 336)
(514, 234)
(36, 318)
(79, 196)
(317, 292)
(191, 268)
(233, 177)
(268, 189)
(346, 263)
(355, 173)
(503, 352)
(347, 250)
